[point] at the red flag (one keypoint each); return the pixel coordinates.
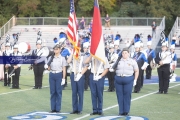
(72, 30)
(97, 44)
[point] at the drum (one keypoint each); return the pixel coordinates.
(24, 47)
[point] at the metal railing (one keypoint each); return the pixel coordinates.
(174, 28)
(6, 27)
(115, 21)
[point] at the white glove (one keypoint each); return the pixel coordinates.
(63, 82)
(78, 77)
(135, 81)
(111, 70)
(46, 66)
(97, 77)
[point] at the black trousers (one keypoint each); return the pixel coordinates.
(15, 78)
(110, 76)
(148, 72)
(38, 74)
(7, 80)
(137, 87)
(86, 83)
(142, 78)
(163, 74)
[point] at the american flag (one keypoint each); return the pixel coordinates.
(72, 30)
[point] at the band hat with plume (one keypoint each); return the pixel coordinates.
(62, 40)
(16, 46)
(39, 42)
(137, 41)
(86, 45)
(7, 44)
(116, 42)
(111, 45)
(173, 44)
(141, 44)
(149, 40)
(165, 43)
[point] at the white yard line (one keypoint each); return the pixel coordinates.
(87, 115)
(19, 91)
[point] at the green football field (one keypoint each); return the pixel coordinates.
(31, 104)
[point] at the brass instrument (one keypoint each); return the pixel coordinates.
(153, 65)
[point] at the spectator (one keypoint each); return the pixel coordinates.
(82, 23)
(153, 28)
(107, 21)
(90, 26)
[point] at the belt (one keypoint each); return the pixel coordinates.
(99, 73)
(54, 71)
(123, 75)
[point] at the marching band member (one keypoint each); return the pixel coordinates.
(77, 81)
(173, 63)
(65, 53)
(38, 66)
(116, 47)
(112, 57)
(163, 59)
(97, 83)
(124, 79)
(17, 68)
(7, 52)
(142, 62)
(150, 56)
(144, 52)
(1, 63)
(56, 64)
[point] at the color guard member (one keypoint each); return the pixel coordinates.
(126, 74)
(97, 83)
(56, 64)
(77, 81)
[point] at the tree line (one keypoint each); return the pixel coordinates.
(115, 8)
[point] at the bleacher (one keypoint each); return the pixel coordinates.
(29, 33)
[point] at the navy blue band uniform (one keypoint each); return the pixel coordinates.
(16, 73)
(163, 70)
(141, 60)
(7, 80)
(38, 68)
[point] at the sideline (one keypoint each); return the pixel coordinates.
(87, 115)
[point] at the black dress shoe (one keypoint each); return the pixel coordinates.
(94, 113)
(79, 113)
(100, 113)
(136, 91)
(74, 112)
(35, 87)
(126, 114)
(122, 114)
(160, 92)
(52, 111)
